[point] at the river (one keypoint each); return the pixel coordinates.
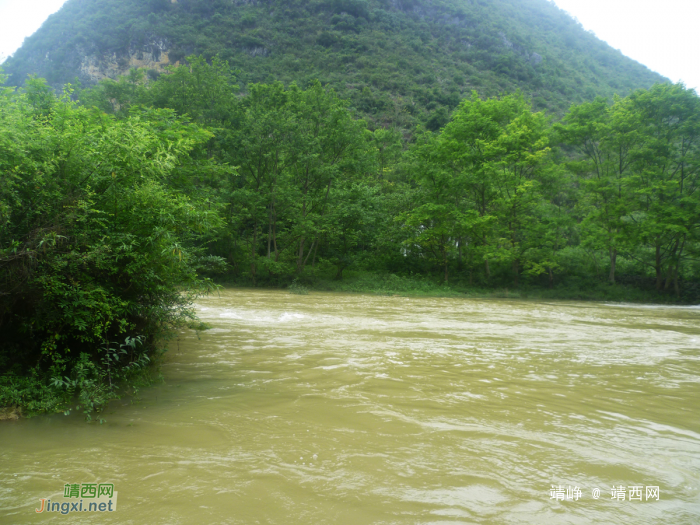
(358, 409)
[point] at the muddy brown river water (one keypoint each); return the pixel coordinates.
(358, 409)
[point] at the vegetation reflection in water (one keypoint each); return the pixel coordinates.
(337, 408)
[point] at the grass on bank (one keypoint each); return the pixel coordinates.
(417, 285)
(89, 389)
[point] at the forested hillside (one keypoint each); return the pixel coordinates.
(399, 62)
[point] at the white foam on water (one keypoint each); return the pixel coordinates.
(290, 317)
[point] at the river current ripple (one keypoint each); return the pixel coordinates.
(354, 409)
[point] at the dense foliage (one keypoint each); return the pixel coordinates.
(98, 254)
(398, 62)
(498, 195)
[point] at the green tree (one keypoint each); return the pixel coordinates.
(327, 144)
(498, 149)
(350, 224)
(259, 144)
(94, 246)
(439, 218)
(605, 138)
(665, 185)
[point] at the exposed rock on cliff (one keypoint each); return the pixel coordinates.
(152, 55)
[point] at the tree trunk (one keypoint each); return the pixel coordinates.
(300, 258)
(613, 262)
(313, 244)
(459, 249)
(658, 268)
(252, 252)
(235, 248)
(671, 266)
(269, 239)
(669, 276)
(274, 237)
(269, 231)
(516, 272)
(488, 270)
(313, 261)
(471, 268)
(444, 258)
(676, 288)
(595, 263)
(551, 278)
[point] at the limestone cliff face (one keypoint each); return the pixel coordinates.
(150, 55)
(90, 64)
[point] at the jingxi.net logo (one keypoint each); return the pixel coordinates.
(82, 497)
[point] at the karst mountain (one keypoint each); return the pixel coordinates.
(398, 61)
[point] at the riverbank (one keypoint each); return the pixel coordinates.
(10, 413)
(89, 393)
(414, 285)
